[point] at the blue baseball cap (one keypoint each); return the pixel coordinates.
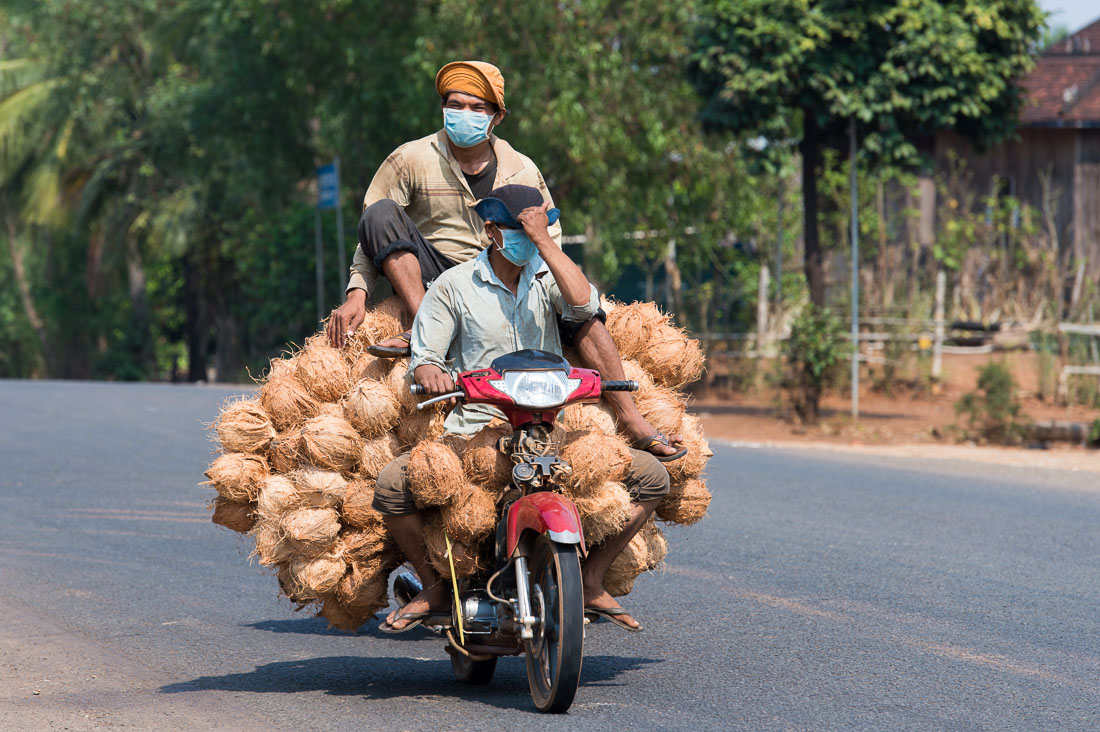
(504, 204)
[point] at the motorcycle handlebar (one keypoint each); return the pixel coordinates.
(628, 385)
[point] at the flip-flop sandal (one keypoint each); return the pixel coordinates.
(393, 351)
(416, 618)
(612, 614)
(648, 443)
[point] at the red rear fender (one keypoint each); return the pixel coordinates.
(545, 513)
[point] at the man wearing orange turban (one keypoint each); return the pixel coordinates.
(418, 220)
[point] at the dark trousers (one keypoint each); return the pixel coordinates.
(385, 229)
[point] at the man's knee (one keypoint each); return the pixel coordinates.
(392, 496)
(384, 208)
(647, 479)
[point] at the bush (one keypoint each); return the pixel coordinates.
(813, 357)
(993, 411)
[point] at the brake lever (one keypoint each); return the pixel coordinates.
(434, 400)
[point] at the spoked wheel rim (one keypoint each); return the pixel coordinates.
(554, 655)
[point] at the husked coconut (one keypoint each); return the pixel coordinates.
(370, 367)
(671, 357)
(662, 407)
(284, 452)
(633, 371)
(312, 577)
(371, 408)
(232, 515)
(377, 454)
(321, 369)
(686, 503)
(358, 510)
(595, 458)
(631, 325)
(320, 488)
(237, 476)
(471, 516)
(421, 426)
(604, 513)
(694, 463)
(588, 417)
(312, 530)
(284, 398)
(485, 464)
(244, 427)
(277, 496)
(272, 546)
(466, 560)
(626, 567)
(435, 474)
(332, 442)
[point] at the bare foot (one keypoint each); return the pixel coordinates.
(604, 601)
(433, 600)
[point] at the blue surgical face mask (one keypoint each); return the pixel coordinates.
(518, 247)
(466, 128)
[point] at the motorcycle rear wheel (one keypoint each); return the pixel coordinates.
(469, 671)
(554, 655)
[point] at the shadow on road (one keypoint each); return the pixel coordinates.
(389, 677)
(319, 626)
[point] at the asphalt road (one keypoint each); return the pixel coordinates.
(823, 592)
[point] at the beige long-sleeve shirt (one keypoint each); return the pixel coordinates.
(424, 178)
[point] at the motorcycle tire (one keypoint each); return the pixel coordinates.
(554, 655)
(469, 671)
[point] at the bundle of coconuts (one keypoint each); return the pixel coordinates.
(299, 461)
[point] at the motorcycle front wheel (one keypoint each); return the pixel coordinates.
(554, 655)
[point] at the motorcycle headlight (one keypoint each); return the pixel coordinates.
(536, 389)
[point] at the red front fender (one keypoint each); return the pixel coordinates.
(545, 513)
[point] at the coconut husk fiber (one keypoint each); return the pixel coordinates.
(588, 417)
(277, 496)
(595, 458)
(483, 461)
(354, 602)
(284, 452)
(398, 380)
(671, 357)
(377, 454)
(313, 530)
(471, 515)
(435, 474)
(311, 578)
(465, 558)
(332, 442)
(357, 509)
(244, 427)
(421, 426)
(694, 463)
(365, 546)
(284, 398)
(626, 567)
(656, 544)
(321, 369)
(686, 503)
(662, 407)
(371, 408)
(633, 370)
(604, 513)
(366, 366)
(272, 547)
(237, 476)
(239, 517)
(631, 325)
(378, 325)
(319, 488)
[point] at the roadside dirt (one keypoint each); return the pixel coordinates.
(908, 422)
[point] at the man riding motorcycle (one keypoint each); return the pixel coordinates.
(507, 299)
(419, 220)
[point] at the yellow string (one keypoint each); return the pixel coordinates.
(454, 584)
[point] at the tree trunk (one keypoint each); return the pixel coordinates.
(810, 148)
(195, 321)
(135, 277)
(673, 283)
(25, 294)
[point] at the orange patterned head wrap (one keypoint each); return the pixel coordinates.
(481, 79)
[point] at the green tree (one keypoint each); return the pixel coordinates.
(903, 69)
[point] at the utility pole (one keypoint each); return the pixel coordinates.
(854, 195)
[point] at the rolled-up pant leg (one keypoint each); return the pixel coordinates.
(385, 229)
(392, 496)
(647, 479)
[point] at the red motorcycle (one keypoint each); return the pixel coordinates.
(532, 602)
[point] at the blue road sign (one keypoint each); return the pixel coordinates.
(328, 187)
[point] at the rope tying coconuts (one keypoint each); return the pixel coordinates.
(299, 464)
